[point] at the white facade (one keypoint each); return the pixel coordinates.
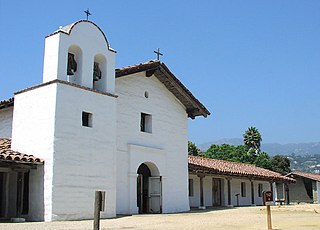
(165, 147)
(89, 134)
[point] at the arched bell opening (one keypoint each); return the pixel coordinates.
(99, 73)
(74, 64)
(149, 189)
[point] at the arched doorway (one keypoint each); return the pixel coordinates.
(149, 189)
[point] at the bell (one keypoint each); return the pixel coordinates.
(72, 64)
(96, 72)
(69, 71)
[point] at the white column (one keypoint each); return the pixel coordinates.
(318, 189)
(163, 195)
(133, 193)
(275, 193)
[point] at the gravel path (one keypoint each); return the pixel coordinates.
(283, 217)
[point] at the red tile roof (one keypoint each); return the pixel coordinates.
(8, 155)
(6, 103)
(193, 106)
(221, 167)
(312, 176)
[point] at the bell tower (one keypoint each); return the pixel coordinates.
(80, 53)
(71, 123)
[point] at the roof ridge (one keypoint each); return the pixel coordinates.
(9, 155)
(140, 64)
(216, 166)
(227, 161)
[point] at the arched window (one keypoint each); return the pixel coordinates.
(99, 73)
(74, 64)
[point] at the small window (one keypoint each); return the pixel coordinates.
(190, 187)
(86, 119)
(260, 189)
(146, 123)
(243, 189)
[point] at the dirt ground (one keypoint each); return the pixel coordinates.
(302, 217)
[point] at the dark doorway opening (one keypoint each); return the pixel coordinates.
(142, 188)
(2, 194)
(308, 186)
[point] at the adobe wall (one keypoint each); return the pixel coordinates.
(298, 192)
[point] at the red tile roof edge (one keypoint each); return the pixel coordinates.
(312, 176)
(157, 65)
(6, 103)
(213, 166)
(11, 156)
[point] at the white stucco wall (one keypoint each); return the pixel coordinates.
(195, 199)
(84, 158)
(36, 194)
(235, 189)
(33, 133)
(169, 136)
(78, 160)
(6, 116)
(298, 192)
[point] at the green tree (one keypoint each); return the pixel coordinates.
(249, 153)
(229, 153)
(221, 152)
(280, 164)
(252, 139)
(193, 149)
(263, 160)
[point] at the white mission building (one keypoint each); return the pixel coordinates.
(90, 127)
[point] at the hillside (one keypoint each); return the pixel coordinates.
(303, 157)
(272, 149)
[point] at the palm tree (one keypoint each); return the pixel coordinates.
(252, 139)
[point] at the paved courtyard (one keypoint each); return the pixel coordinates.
(283, 217)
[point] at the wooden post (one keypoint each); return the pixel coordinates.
(252, 193)
(97, 208)
(267, 200)
(202, 206)
(287, 194)
(269, 217)
(229, 191)
(19, 194)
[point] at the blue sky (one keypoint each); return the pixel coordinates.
(251, 63)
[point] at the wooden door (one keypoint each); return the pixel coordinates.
(154, 193)
(216, 192)
(140, 193)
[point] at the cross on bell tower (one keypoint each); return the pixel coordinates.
(158, 53)
(87, 12)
